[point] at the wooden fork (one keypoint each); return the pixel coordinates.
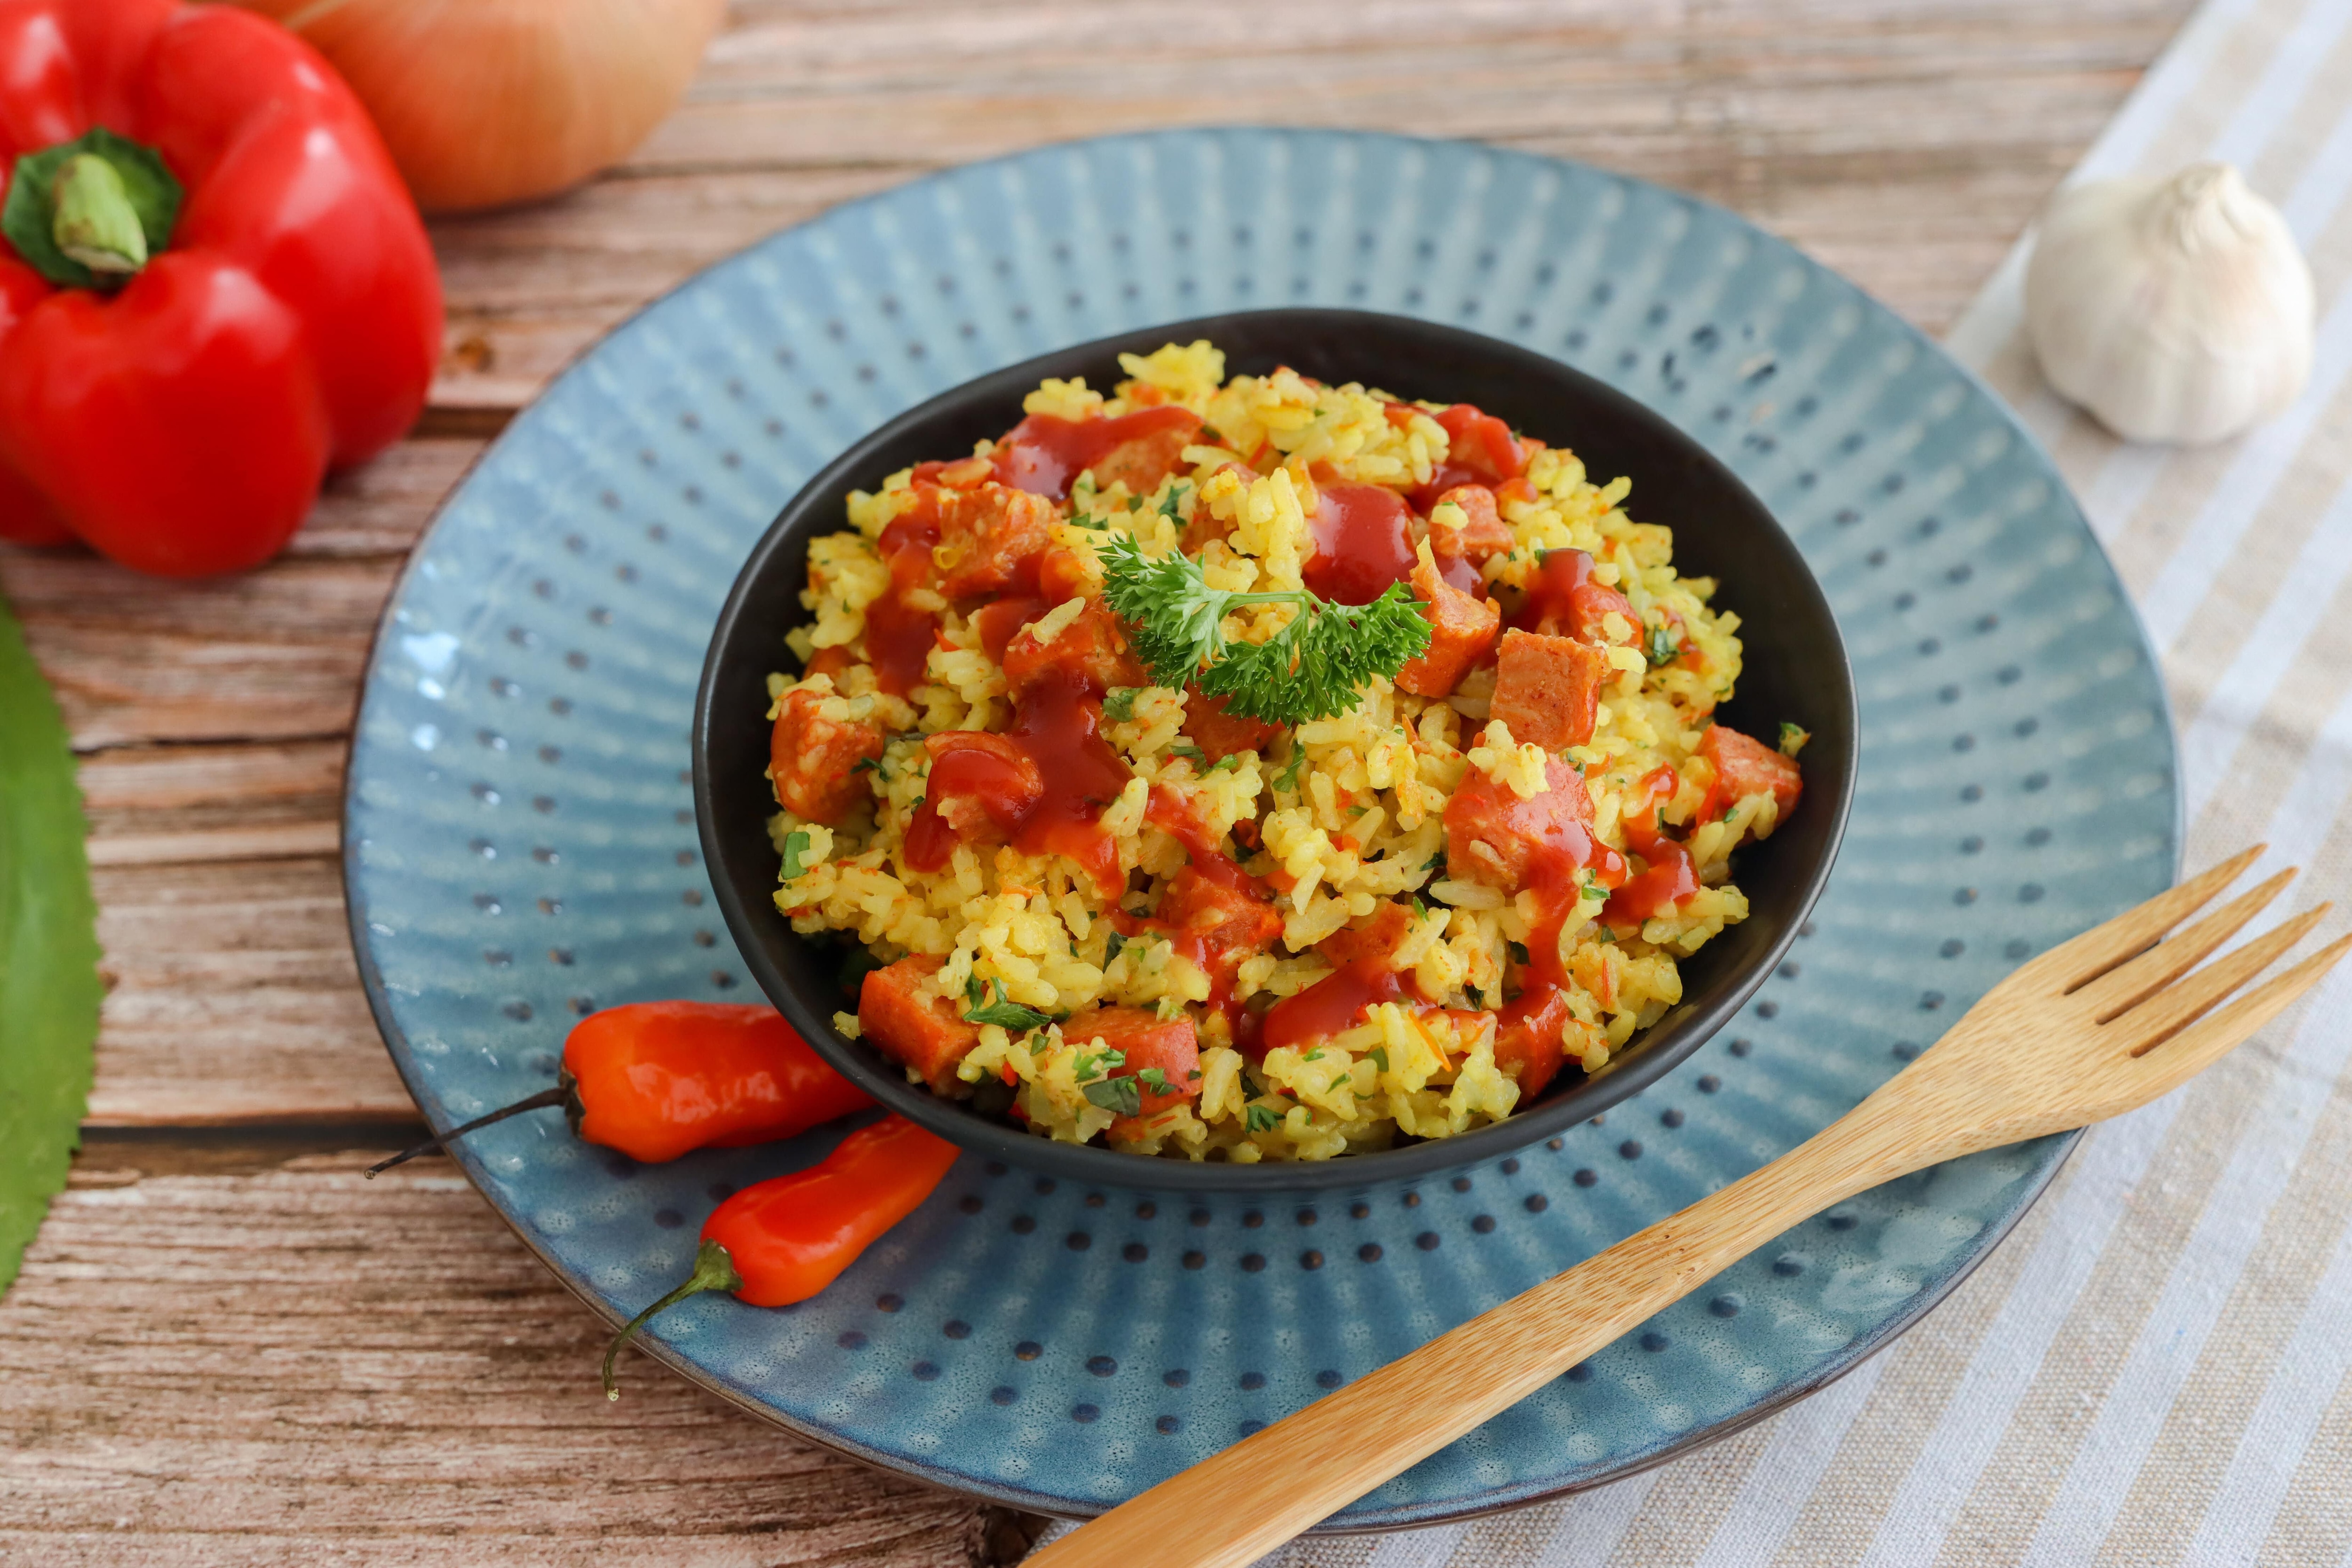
(2092, 1028)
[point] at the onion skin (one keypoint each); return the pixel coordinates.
(488, 102)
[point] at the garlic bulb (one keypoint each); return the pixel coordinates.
(2176, 310)
(484, 102)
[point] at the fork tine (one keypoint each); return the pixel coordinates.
(2132, 933)
(2125, 987)
(2195, 1048)
(2170, 1011)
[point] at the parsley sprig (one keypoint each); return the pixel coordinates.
(1311, 668)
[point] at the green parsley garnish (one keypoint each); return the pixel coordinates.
(1171, 503)
(1311, 668)
(1095, 1064)
(1111, 944)
(1118, 702)
(1117, 1094)
(1262, 1118)
(1337, 1081)
(1190, 753)
(1314, 1056)
(1436, 863)
(1380, 1055)
(1007, 1015)
(1663, 646)
(796, 845)
(1793, 738)
(1154, 1079)
(1226, 763)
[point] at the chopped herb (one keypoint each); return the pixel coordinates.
(796, 845)
(1111, 944)
(1007, 1015)
(1607, 935)
(1287, 779)
(1312, 668)
(1170, 504)
(1190, 753)
(1095, 1064)
(1380, 1055)
(1226, 763)
(1793, 737)
(975, 989)
(867, 764)
(1118, 702)
(1337, 1080)
(1314, 1056)
(1135, 503)
(1519, 952)
(1436, 863)
(1211, 436)
(1663, 646)
(1154, 1079)
(1119, 1095)
(1420, 909)
(1262, 1118)
(1193, 1076)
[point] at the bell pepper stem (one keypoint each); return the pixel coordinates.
(565, 1094)
(94, 222)
(713, 1270)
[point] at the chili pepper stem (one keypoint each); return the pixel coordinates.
(713, 1270)
(563, 1094)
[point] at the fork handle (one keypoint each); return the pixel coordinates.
(1236, 1505)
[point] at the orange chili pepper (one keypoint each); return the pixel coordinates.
(659, 1079)
(784, 1240)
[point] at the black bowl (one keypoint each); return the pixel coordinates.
(1795, 671)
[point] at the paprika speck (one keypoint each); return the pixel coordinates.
(787, 1238)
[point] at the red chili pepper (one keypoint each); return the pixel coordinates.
(657, 1080)
(177, 375)
(787, 1238)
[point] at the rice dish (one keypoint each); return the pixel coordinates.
(1088, 894)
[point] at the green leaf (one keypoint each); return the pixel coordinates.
(28, 216)
(49, 988)
(1380, 1055)
(1111, 944)
(1663, 646)
(1262, 1118)
(1118, 702)
(1003, 1014)
(1154, 1079)
(796, 845)
(1117, 1094)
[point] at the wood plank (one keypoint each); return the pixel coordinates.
(278, 1364)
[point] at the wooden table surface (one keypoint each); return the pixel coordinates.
(224, 1348)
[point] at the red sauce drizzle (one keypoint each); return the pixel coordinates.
(899, 638)
(1059, 726)
(1332, 1004)
(1481, 450)
(1563, 600)
(1363, 542)
(1670, 876)
(1044, 452)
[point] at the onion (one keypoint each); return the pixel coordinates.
(484, 102)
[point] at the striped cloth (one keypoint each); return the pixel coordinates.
(2157, 1366)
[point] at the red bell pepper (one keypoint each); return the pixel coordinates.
(215, 287)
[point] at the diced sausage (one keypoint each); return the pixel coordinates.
(915, 1029)
(1526, 1039)
(981, 784)
(1461, 629)
(1220, 734)
(1547, 689)
(1745, 766)
(1377, 935)
(1142, 461)
(985, 534)
(1484, 534)
(812, 758)
(1228, 922)
(1492, 836)
(1147, 1041)
(1091, 648)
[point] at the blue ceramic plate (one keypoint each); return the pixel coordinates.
(521, 846)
